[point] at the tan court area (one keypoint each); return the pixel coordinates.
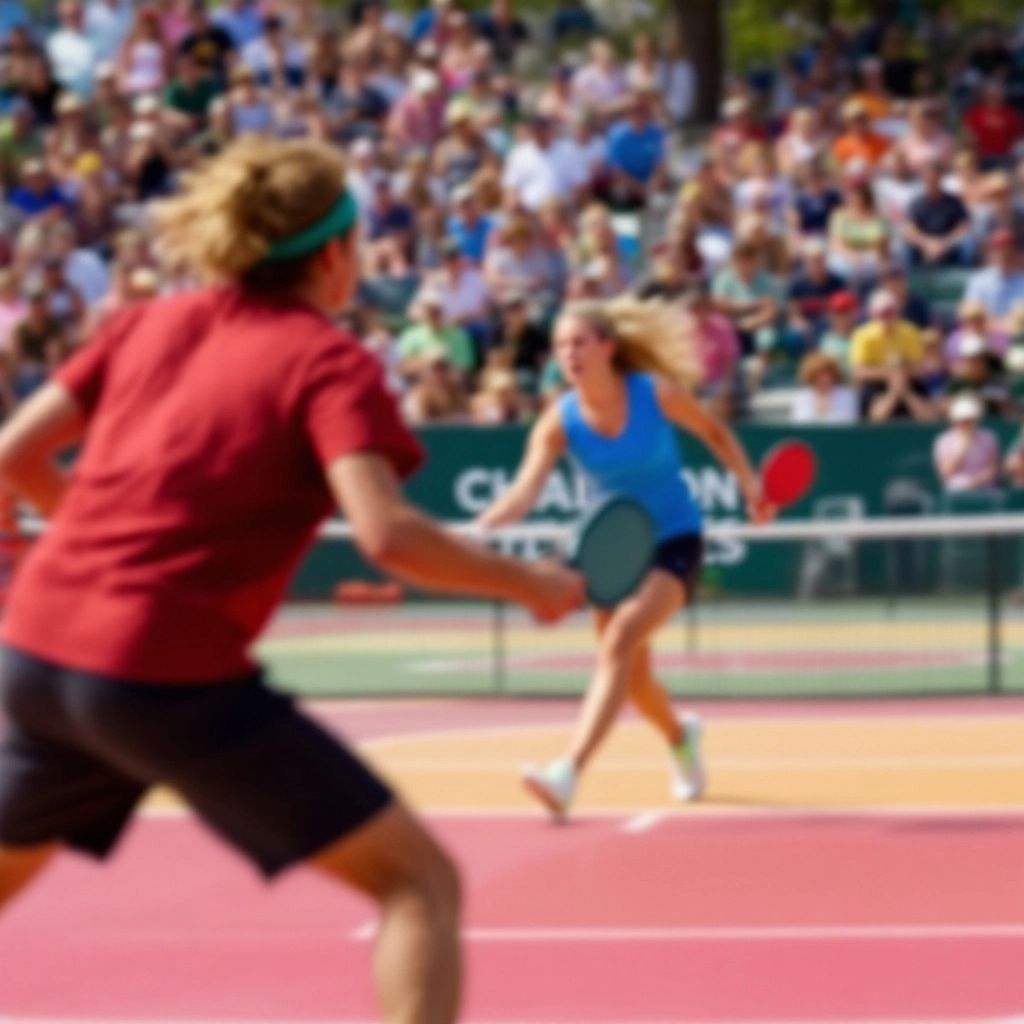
(972, 763)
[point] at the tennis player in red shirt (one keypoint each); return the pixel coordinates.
(219, 427)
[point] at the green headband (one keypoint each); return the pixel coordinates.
(336, 222)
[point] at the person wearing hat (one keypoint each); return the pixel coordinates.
(824, 397)
(417, 118)
(245, 109)
(966, 455)
(437, 391)
(466, 296)
(999, 285)
(974, 321)
(980, 371)
(430, 330)
(859, 143)
(842, 309)
(886, 354)
(37, 193)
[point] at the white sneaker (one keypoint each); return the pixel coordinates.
(688, 775)
(553, 785)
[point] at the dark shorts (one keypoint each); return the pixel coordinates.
(682, 557)
(79, 751)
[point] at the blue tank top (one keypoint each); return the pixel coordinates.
(643, 463)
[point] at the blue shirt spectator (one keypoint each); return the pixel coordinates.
(1000, 286)
(467, 226)
(242, 20)
(636, 150)
(422, 24)
(12, 15)
(37, 193)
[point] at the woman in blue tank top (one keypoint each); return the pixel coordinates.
(630, 373)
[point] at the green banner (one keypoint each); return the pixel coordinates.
(863, 471)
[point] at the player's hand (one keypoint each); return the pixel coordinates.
(557, 590)
(759, 509)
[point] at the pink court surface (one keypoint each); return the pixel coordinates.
(852, 862)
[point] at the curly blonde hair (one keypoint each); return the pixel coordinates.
(649, 336)
(236, 205)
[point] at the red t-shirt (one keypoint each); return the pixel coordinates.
(994, 129)
(200, 483)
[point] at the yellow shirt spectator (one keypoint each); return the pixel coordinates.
(877, 344)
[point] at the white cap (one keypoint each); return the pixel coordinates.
(881, 301)
(972, 344)
(145, 105)
(141, 131)
(735, 106)
(424, 82)
(965, 407)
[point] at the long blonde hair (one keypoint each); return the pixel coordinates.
(649, 336)
(236, 205)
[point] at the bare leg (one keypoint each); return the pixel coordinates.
(417, 966)
(646, 693)
(19, 865)
(626, 632)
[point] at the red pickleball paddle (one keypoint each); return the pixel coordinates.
(788, 471)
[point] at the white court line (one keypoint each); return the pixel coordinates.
(731, 933)
(643, 822)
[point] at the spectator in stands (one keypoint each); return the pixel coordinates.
(191, 93)
(467, 225)
(824, 397)
(390, 226)
(245, 109)
(462, 151)
(750, 298)
(600, 84)
(810, 289)
(506, 32)
(241, 19)
(974, 321)
(803, 144)
(938, 229)
(636, 155)
(713, 339)
(71, 52)
(998, 209)
(999, 286)
(858, 236)
(966, 455)
(497, 398)
(208, 44)
(429, 333)
(872, 93)
(572, 19)
(581, 158)
(926, 145)
(843, 310)
(813, 201)
(12, 312)
(437, 391)
(886, 354)
(737, 128)
(467, 301)
(531, 172)
(895, 187)
(276, 57)
(144, 63)
(860, 146)
(38, 194)
(517, 262)
(417, 117)
(84, 269)
(40, 343)
(979, 370)
(912, 306)
(994, 126)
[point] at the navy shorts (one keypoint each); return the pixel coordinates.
(79, 751)
(681, 556)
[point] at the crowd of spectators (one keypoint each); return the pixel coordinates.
(844, 244)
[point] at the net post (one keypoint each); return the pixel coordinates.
(993, 584)
(498, 646)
